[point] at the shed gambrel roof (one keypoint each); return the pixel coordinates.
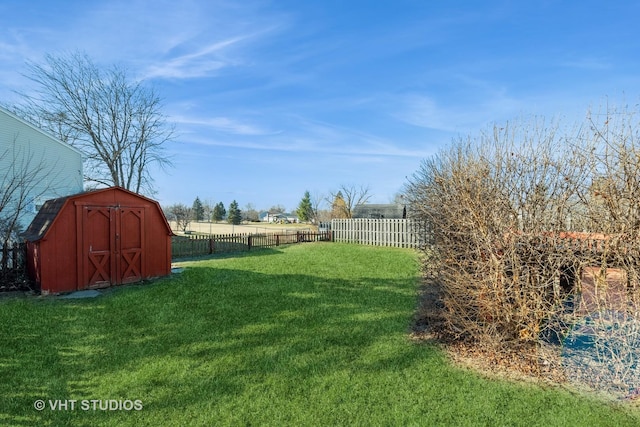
(44, 218)
(48, 213)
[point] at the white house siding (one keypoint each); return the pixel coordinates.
(59, 164)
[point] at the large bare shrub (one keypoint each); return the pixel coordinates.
(494, 206)
(516, 217)
(612, 202)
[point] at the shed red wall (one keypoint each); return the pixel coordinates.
(58, 255)
(54, 259)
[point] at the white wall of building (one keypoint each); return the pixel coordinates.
(56, 167)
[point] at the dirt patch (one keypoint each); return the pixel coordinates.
(526, 365)
(545, 364)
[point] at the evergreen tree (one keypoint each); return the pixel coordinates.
(339, 207)
(305, 209)
(197, 209)
(235, 216)
(223, 211)
(219, 212)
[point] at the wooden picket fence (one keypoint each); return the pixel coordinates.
(400, 233)
(198, 245)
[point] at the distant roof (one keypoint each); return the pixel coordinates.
(278, 215)
(386, 211)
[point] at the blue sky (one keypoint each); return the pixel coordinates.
(272, 98)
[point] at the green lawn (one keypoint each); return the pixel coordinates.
(311, 334)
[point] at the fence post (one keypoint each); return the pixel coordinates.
(5, 256)
(249, 243)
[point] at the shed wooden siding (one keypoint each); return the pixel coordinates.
(21, 143)
(55, 239)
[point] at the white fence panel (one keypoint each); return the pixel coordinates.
(398, 233)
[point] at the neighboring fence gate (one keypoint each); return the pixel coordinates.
(400, 233)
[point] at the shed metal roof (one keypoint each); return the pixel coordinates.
(44, 218)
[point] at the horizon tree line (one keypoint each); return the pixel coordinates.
(341, 203)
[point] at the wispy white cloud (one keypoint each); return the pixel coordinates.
(201, 62)
(333, 138)
(587, 63)
(426, 112)
(308, 137)
(352, 92)
(224, 124)
(423, 111)
(160, 39)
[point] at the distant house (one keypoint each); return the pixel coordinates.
(37, 165)
(278, 217)
(373, 211)
(263, 216)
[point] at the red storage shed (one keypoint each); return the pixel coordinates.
(97, 239)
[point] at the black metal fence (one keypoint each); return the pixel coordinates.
(197, 245)
(13, 266)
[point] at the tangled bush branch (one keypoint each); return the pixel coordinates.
(517, 216)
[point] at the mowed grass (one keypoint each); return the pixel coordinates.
(313, 334)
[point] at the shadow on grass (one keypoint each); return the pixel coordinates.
(198, 339)
(221, 345)
(240, 254)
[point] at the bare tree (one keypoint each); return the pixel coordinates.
(249, 213)
(208, 209)
(317, 200)
(352, 196)
(181, 214)
(20, 185)
(116, 123)
(277, 209)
